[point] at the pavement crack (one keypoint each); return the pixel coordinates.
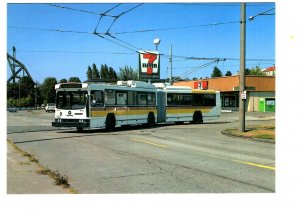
(125, 176)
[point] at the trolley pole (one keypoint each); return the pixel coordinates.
(242, 100)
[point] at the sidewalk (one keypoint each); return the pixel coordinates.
(23, 179)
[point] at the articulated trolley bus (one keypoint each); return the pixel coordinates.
(105, 105)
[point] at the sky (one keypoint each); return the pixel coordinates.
(203, 30)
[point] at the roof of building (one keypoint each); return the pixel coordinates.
(227, 83)
(272, 68)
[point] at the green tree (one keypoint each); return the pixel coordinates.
(64, 80)
(26, 86)
(89, 73)
(74, 79)
(255, 71)
(95, 72)
(216, 72)
(112, 74)
(21, 92)
(228, 73)
(48, 89)
(13, 90)
(104, 72)
(127, 73)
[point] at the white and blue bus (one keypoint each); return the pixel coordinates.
(105, 105)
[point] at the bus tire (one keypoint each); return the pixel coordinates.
(197, 117)
(79, 129)
(151, 120)
(110, 122)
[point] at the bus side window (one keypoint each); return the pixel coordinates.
(121, 98)
(172, 99)
(96, 98)
(197, 100)
(209, 99)
(110, 97)
(142, 99)
(151, 99)
(186, 99)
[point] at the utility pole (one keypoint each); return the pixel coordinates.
(35, 100)
(242, 100)
(171, 64)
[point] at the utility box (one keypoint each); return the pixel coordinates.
(266, 105)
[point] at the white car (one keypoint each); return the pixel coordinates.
(50, 107)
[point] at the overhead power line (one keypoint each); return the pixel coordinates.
(48, 29)
(122, 14)
(185, 74)
(72, 52)
(132, 47)
(80, 10)
(220, 4)
(103, 37)
(177, 28)
(105, 14)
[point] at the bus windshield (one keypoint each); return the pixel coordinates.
(71, 99)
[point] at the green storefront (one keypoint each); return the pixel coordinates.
(266, 105)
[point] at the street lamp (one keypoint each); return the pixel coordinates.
(251, 18)
(156, 42)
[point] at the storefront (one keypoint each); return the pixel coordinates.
(257, 87)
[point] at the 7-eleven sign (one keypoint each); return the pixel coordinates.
(149, 65)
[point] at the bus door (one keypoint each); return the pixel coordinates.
(185, 110)
(173, 110)
(161, 106)
(132, 107)
(122, 109)
(142, 111)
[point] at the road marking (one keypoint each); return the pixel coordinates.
(147, 142)
(254, 164)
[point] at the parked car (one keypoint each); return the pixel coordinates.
(12, 109)
(50, 107)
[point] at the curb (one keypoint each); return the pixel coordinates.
(248, 138)
(35, 161)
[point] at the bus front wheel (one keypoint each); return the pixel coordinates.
(110, 122)
(197, 117)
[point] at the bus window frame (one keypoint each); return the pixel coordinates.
(93, 98)
(126, 97)
(105, 97)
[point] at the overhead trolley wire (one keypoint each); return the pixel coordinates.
(177, 28)
(101, 35)
(97, 34)
(105, 13)
(121, 14)
(198, 68)
(51, 30)
(79, 10)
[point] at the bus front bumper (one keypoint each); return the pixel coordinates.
(78, 123)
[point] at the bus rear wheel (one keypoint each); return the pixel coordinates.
(79, 129)
(151, 120)
(197, 117)
(110, 122)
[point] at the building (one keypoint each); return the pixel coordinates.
(259, 89)
(270, 71)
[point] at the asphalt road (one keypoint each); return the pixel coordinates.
(169, 158)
